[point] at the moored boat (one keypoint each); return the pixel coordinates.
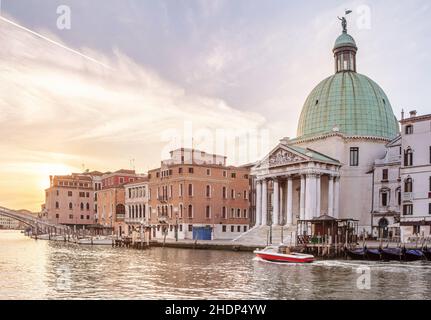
(95, 241)
(373, 254)
(413, 255)
(427, 253)
(389, 254)
(282, 254)
(356, 254)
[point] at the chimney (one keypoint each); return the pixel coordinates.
(402, 114)
(413, 113)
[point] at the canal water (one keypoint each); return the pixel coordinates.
(32, 269)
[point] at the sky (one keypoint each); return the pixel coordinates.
(127, 80)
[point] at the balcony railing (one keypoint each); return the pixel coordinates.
(162, 199)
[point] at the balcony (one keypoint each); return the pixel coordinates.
(162, 199)
(408, 196)
(135, 220)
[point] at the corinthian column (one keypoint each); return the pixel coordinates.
(331, 196)
(276, 204)
(289, 204)
(302, 198)
(337, 198)
(264, 202)
(310, 196)
(258, 203)
(318, 195)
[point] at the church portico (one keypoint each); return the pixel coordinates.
(295, 184)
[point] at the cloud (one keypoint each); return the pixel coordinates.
(61, 109)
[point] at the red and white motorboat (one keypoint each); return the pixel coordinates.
(280, 254)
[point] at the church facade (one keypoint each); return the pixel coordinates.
(345, 125)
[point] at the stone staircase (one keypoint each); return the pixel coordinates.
(259, 236)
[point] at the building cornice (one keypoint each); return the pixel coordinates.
(336, 134)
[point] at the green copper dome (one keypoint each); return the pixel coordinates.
(350, 103)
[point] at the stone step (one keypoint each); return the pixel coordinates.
(260, 235)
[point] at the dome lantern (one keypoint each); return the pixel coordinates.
(345, 51)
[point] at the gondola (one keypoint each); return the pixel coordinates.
(389, 254)
(427, 253)
(356, 254)
(373, 254)
(413, 255)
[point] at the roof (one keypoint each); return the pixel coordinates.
(349, 103)
(314, 155)
(424, 117)
(345, 40)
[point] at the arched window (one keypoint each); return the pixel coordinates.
(57, 205)
(383, 226)
(181, 210)
(70, 205)
(208, 191)
(143, 211)
(224, 193)
(384, 196)
(120, 209)
(82, 206)
(190, 211)
(87, 206)
(190, 190)
(408, 185)
(224, 213)
(408, 157)
(398, 192)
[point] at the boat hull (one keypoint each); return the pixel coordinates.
(427, 254)
(373, 255)
(413, 255)
(284, 258)
(356, 254)
(391, 254)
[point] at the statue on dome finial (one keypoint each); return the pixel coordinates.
(344, 21)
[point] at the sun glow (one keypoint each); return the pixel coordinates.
(44, 170)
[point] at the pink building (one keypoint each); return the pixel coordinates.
(70, 199)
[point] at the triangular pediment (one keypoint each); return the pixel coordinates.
(281, 155)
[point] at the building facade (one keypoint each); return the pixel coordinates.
(416, 176)
(70, 199)
(138, 213)
(195, 195)
(9, 223)
(387, 196)
(345, 125)
(111, 205)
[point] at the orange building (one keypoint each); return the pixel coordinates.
(111, 200)
(70, 199)
(195, 195)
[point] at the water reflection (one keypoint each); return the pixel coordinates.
(54, 270)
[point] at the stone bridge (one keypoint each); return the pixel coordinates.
(37, 224)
